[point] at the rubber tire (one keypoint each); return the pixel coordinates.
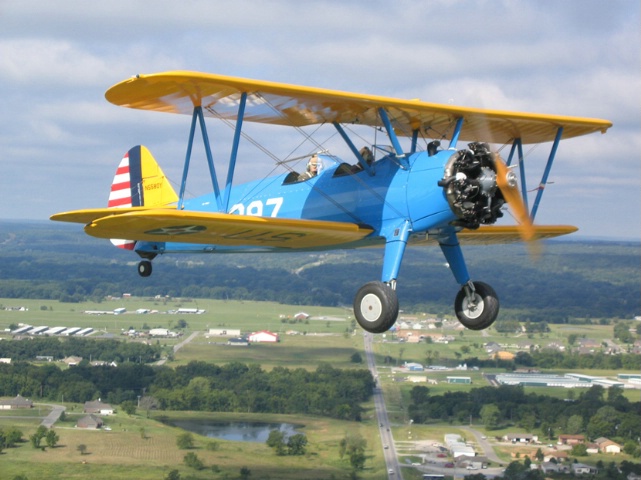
(144, 268)
(489, 305)
(376, 307)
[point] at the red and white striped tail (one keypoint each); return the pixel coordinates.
(120, 196)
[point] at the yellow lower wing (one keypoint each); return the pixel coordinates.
(163, 225)
(492, 235)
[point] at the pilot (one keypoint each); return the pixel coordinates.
(313, 166)
(367, 155)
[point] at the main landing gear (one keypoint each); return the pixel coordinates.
(376, 307)
(476, 305)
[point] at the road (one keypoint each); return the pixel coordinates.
(389, 450)
(178, 346)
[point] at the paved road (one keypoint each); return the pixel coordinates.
(54, 415)
(389, 450)
(178, 346)
(484, 445)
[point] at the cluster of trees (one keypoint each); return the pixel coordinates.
(96, 349)
(592, 413)
(9, 437)
(237, 387)
(294, 445)
(572, 280)
(50, 437)
(234, 387)
(552, 359)
(78, 384)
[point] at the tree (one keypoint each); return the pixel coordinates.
(356, 358)
(575, 425)
(52, 438)
(129, 407)
(579, 450)
(245, 473)
(276, 440)
(82, 448)
(173, 475)
(490, 416)
(539, 455)
(192, 461)
(297, 444)
(185, 441)
(354, 447)
(37, 437)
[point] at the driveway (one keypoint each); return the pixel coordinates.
(54, 415)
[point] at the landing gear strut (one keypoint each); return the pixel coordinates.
(476, 305)
(144, 268)
(376, 307)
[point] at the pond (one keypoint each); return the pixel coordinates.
(236, 431)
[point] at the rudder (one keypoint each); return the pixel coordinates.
(139, 182)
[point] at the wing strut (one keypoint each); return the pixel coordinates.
(369, 169)
(234, 151)
(546, 172)
(400, 155)
(457, 132)
(198, 115)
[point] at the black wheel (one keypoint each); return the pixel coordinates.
(144, 268)
(376, 307)
(481, 313)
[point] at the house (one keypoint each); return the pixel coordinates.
(15, 403)
(263, 336)
(72, 361)
(606, 445)
(90, 421)
(96, 406)
(520, 438)
(583, 469)
(549, 467)
(571, 439)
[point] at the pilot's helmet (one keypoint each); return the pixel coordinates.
(314, 161)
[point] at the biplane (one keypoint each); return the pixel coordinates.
(419, 188)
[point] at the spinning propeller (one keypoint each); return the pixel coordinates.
(506, 182)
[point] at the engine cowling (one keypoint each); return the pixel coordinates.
(470, 186)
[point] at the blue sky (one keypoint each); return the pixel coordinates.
(61, 141)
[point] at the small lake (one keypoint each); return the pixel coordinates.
(236, 431)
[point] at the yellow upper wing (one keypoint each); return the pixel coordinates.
(284, 104)
(167, 225)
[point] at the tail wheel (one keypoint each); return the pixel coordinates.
(376, 307)
(144, 268)
(479, 311)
